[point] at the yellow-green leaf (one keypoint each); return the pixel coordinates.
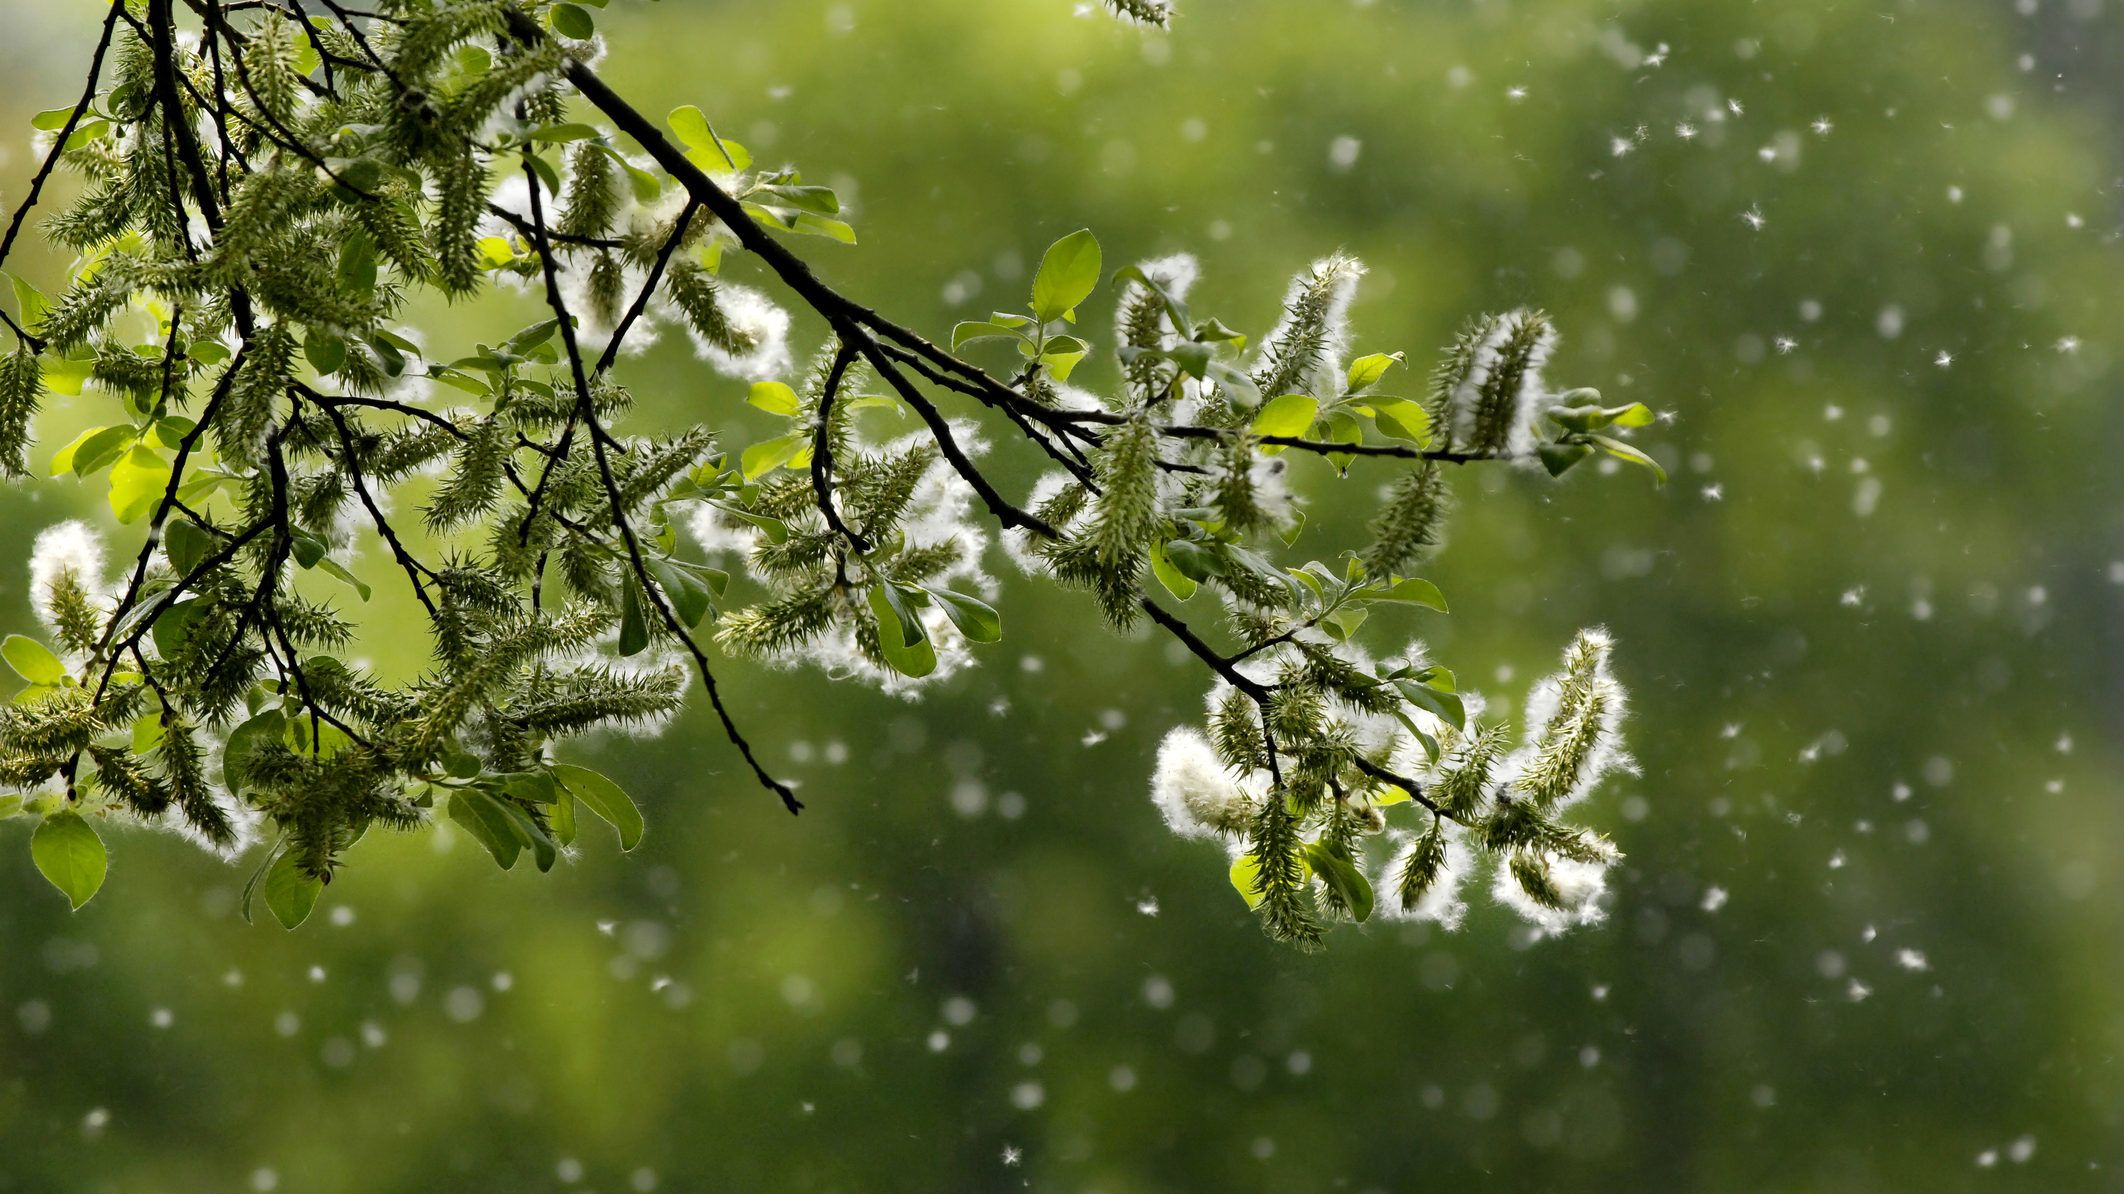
(69, 855)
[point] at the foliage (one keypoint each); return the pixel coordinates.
(263, 199)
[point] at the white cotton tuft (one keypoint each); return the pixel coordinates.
(721, 533)
(1018, 544)
(1529, 398)
(1580, 884)
(1174, 275)
(1341, 275)
(761, 323)
(1196, 793)
(1573, 721)
(66, 552)
(1442, 903)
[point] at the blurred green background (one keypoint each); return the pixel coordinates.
(1868, 935)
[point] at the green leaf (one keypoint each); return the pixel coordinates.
(561, 821)
(1558, 458)
(187, 544)
(1176, 582)
(1343, 623)
(774, 398)
(1061, 355)
(968, 331)
(1628, 453)
(634, 623)
(979, 622)
(30, 302)
(173, 626)
(1068, 272)
(307, 549)
(94, 450)
(69, 855)
(357, 263)
(768, 455)
(1246, 877)
(686, 591)
(1192, 560)
(572, 21)
(1403, 419)
(817, 225)
(709, 151)
(1593, 418)
(605, 798)
(1368, 369)
(32, 660)
(1288, 415)
(901, 639)
(1445, 706)
(1342, 428)
(1420, 592)
(289, 893)
(1337, 871)
(326, 351)
(338, 571)
(483, 817)
(138, 481)
(267, 727)
(530, 339)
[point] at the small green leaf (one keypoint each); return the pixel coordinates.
(634, 623)
(768, 455)
(901, 639)
(1176, 582)
(561, 821)
(1403, 419)
(1192, 560)
(1558, 458)
(687, 592)
(32, 660)
(138, 482)
(94, 450)
(1246, 877)
(482, 816)
(267, 727)
(968, 331)
(773, 397)
(1336, 869)
(338, 571)
(1420, 592)
(30, 302)
(69, 855)
(1368, 369)
(572, 21)
(605, 798)
(1287, 415)
(1626, 452)
(289, 893)
(1068, 272)
(1343, 623)
(187, 544)
(1445, 706)
(708, 150)
(357, 264)
(1061, 355)
(325, 350)
(979, 622)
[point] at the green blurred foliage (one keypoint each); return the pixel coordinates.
(1871, 631)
